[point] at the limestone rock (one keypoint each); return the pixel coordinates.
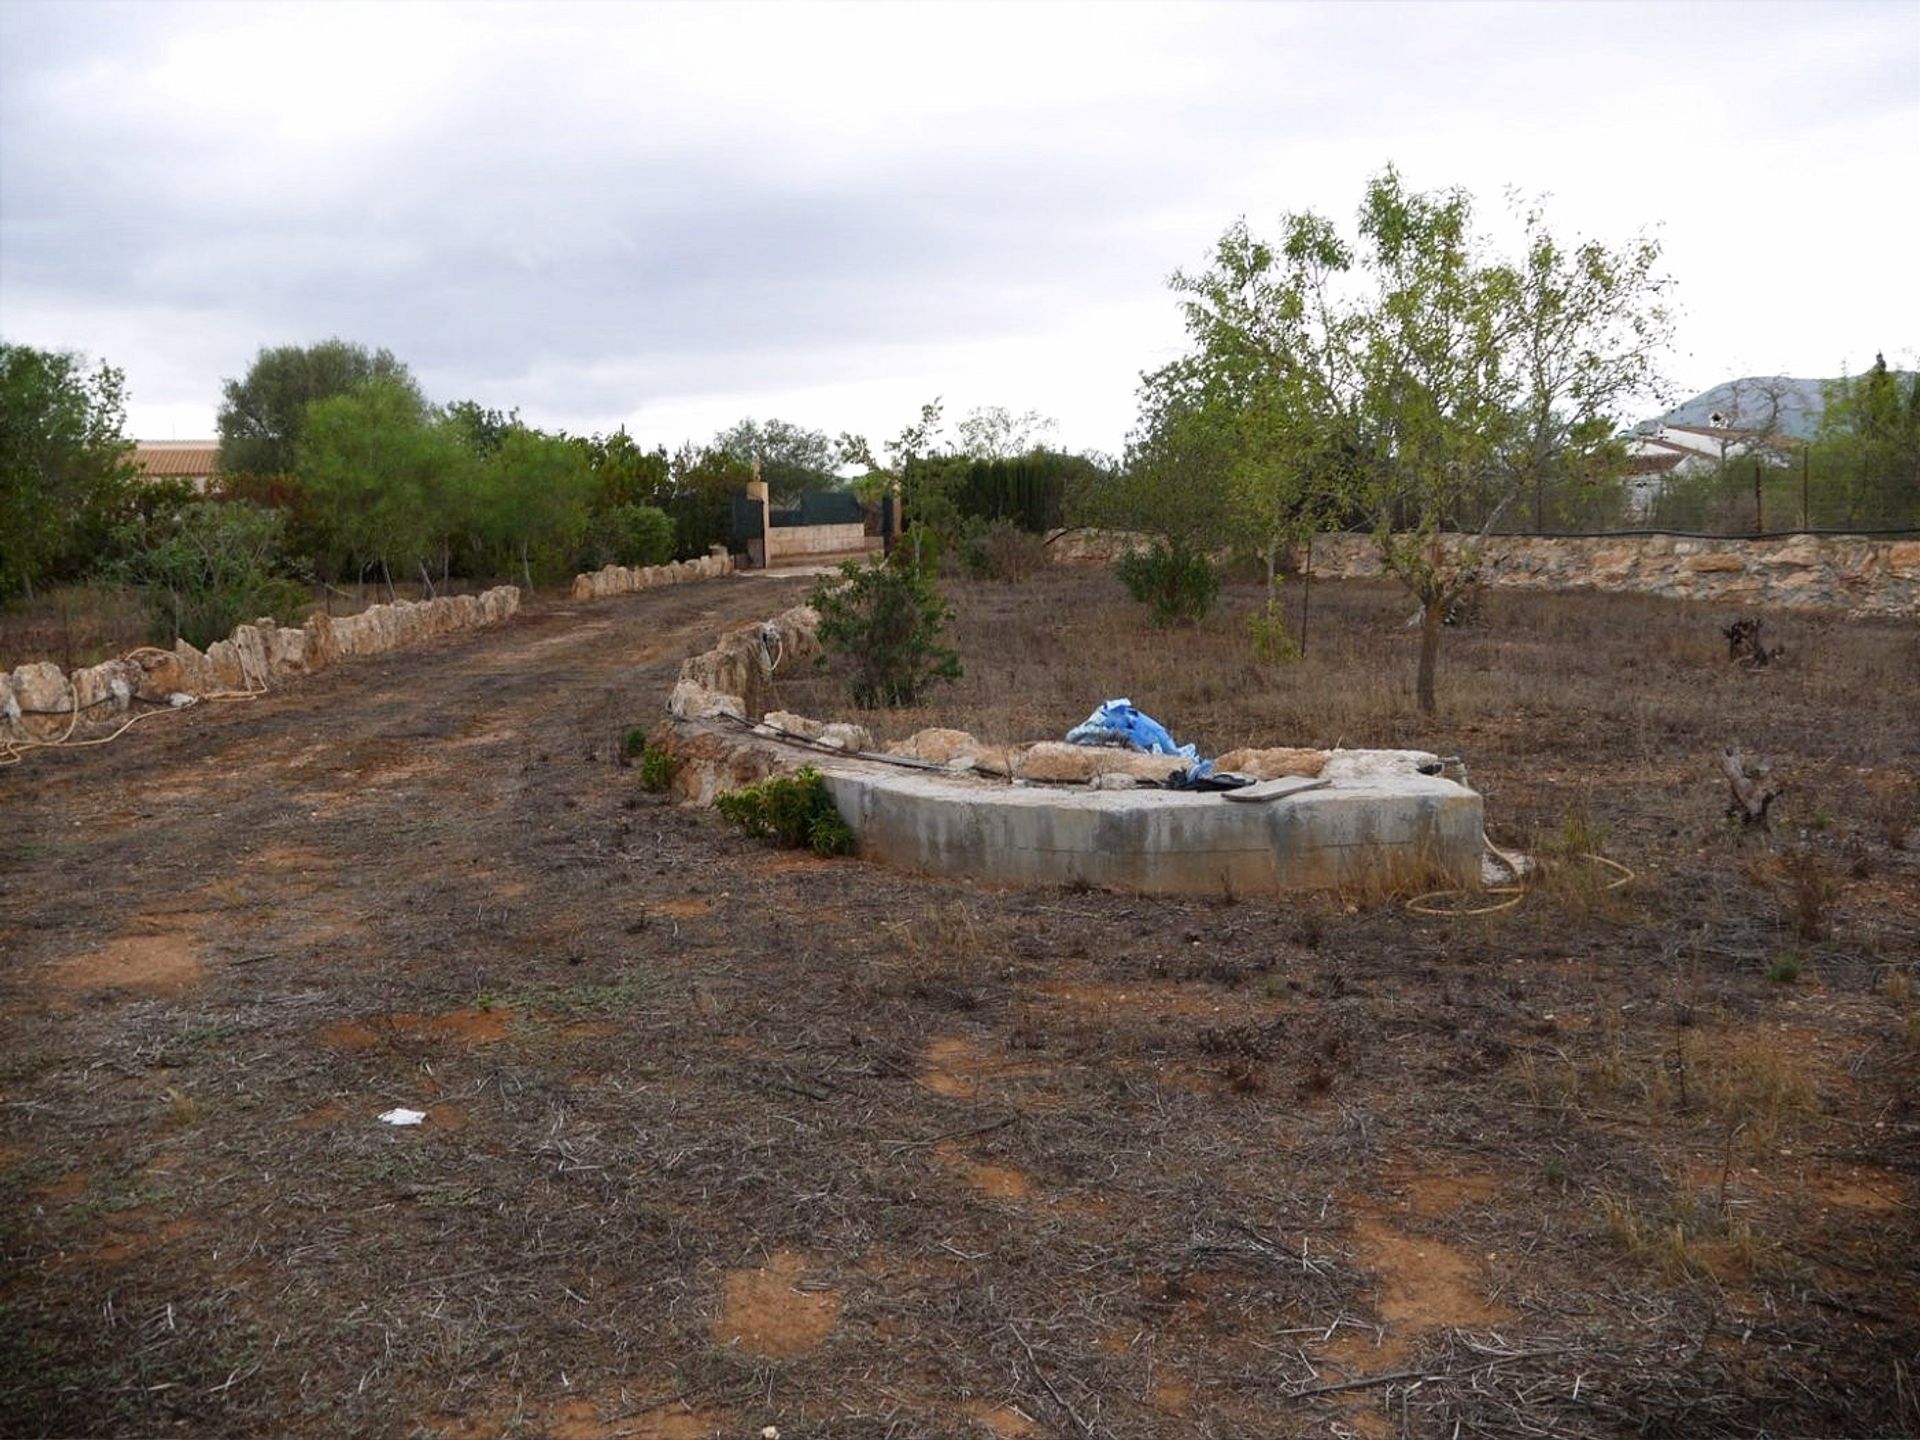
(844, 736)
(839, 736)
(938, 746)
(196, 671)
(161, 674)
(691, 700)
(1365, 764)
(1716, 563)
(1272, 763)
(105, 689)
(709, 763)
(792, 724)
(42, 686)
(1056, 762)
(322, 649)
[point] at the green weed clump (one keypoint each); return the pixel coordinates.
(657, 769)
(1176, 580)
(795, 810)
(1273, 642)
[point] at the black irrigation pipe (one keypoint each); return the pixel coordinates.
(1680, 534)
(1854, 534)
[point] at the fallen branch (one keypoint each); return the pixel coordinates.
(1368, 1382)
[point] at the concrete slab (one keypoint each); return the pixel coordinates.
(1380, 829)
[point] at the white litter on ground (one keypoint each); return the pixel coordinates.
(399, 1116)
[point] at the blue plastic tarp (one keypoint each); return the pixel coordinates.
(1117, 722)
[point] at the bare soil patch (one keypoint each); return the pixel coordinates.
(161, 963)
(765, 1311)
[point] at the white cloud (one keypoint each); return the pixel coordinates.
(673, 215)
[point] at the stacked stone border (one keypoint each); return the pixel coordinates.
(39, 701)
(1860, 575)
(626, 580)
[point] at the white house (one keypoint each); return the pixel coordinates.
(1657, 456)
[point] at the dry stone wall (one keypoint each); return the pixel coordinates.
(1855, 573)
(1859, 575)
(625, 580)
(40, 701)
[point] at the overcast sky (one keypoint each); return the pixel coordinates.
(670, 217)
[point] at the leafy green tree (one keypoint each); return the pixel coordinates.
(1173, 481)
(390, 483)
(531, 503)
(1409, 377)
(624, 473)
(922, 473)
(263, 415)
(1868, 445)
(207, 566)
(66, 475)
(793, 460)
(705, 480)
(482, 429)
(1588, 323)
(627, 535)
(993, 432)
(1439, 393)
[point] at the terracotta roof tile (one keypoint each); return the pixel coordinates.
(192, 459)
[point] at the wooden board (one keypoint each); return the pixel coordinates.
(1275, 789)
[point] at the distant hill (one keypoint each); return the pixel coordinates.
(1748, 403)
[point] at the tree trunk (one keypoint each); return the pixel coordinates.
(1431, 614)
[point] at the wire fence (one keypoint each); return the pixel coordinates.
(1741, 499)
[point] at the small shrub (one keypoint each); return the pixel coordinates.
(657, 769)
(1000, 550)
(795, 810)
(633, 741)
(888, 620)
(1273, 642)
(1785, 969)
(1812, 890)
(1177, 581)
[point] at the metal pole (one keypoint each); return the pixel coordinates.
(1306, 594)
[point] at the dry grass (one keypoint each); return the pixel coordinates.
(1554, 679)
(74, 627)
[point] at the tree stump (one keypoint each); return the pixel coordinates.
(1753, 787)
(1744, 646)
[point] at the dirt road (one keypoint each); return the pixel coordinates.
(720, 1138)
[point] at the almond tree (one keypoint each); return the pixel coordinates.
(1411, 380)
